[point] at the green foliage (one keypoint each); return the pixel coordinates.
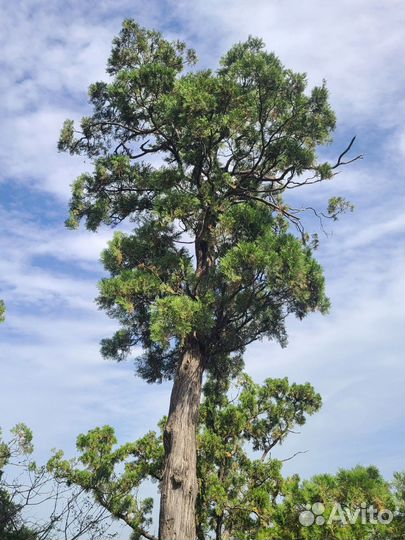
(355, 490)
(2, 311)
(24, 486)
(201, 158)
(12, 525)
(398, 489)
(238, 488)
(337, 205)
(23, 438)
(113, 475)
(242, 493)
(19, 445)
(178, 316)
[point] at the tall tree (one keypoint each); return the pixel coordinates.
(199, 161)
(2, 311)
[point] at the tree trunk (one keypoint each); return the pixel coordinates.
(179, 486)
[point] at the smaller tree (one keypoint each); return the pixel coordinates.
(12, 525)
(242, 493)
(238, 482)
(346, 505)
(70, 514)
(398, 488)
(2, 311)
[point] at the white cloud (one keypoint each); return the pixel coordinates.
(51, 52)
(376, 232)
(356, 46)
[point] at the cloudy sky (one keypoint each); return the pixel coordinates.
(51, 374)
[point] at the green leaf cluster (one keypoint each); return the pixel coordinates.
(113, 475)
(242, 492)
(239, 481)
(338, 205)
(356, 490)
(12, 526)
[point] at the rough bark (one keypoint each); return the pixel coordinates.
(179, 486)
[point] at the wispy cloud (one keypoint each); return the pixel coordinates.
(356, 46)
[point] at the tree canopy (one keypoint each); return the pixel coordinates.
(203, 158)
(353, 503)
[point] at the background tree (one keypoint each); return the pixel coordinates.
(60, 511)
(12, 525)
(355, 490)
(398, 488)
(239, 481)
(199, 159)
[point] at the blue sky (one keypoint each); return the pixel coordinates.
(51, 374)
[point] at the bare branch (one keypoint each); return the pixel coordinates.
(340, 162)
(293, 456)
